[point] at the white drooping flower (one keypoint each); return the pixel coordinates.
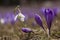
(19, 16)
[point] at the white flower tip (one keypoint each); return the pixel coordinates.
(21, 15)
(15, 18)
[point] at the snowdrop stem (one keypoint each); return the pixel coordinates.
(19, 10)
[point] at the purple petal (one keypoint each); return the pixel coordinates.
(46, 11)
(26, 30)
(38, 20)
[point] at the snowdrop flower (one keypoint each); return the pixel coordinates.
(15, 18)
(19, 16)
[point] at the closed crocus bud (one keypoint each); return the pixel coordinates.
(26, 30)
(38, 20)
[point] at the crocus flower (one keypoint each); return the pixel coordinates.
(9, 17)
(49, 15)
(54, 11)
(38, 20)
(26, 30)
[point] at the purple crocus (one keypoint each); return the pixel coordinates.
(49, 16)
(26, 30)
(12, 19)
(9, 17)
(45, 11)
(55, 11)
(38, 20)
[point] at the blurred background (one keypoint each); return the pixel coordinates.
(24, 2)
(25, 5)
(27, 2)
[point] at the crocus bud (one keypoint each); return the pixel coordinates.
(38, 20)
(26, 30)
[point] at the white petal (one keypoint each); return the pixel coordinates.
(21, 15)
(15, 17)
(22, 19)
